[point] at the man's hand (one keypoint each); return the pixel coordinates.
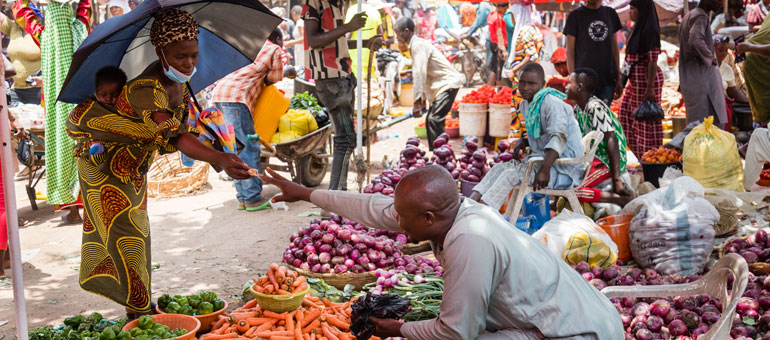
(742, 48)
(358, 21)
(417, 109)
(290, 191)
(518, 149)
(386, 328)
(542, 178)
(233, 166)
(619, 188)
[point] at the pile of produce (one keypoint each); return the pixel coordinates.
(474, 161)
(455, 105)
(341, 246)
(315, 319)
(197, 304)
(764, 175)
(417, 265)
(451, 122)
(279, 280)
(662, 155)
(753, 249)
(320, 289)
(504, 152)
(81, 327)
(479, 96)
(424, 291)
(444, 156)
(305, 101)
(504, 96)
(147, 329)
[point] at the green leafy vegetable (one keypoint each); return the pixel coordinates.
(305, 101)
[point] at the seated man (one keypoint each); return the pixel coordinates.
(497, 281)
(592, 114)
(552, 133)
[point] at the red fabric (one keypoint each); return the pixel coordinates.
(3, 223)
(28, 20)
(496, 22)
(729, 109)
(559, 56)
(83, 13)
(598, 174)
(62, 207)
(640, 136)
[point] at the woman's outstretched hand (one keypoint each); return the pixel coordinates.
(233, 166)
(290, 191)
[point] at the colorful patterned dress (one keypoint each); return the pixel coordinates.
(641, 136)
(115, 254)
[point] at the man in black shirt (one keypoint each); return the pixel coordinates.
(592, 43)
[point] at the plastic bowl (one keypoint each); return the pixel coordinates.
(173, 321)
(764, 182)
(279, 303)
(617, 228)
(453, 132)
(421, 132)
(205, 319)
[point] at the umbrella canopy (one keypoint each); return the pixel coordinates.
(231, 34)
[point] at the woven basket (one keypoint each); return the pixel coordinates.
(279, 303)
(340, 280)
(414, 248)
(728, 219)
(169, 178)
(205, 319)
(173, 321)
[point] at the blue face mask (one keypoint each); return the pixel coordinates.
(175, 75)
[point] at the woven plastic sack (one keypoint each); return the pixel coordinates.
(673, 231)
(283, 137)
(298, 120)
(567, 227)
(710, 156)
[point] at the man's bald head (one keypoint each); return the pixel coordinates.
(426, 200)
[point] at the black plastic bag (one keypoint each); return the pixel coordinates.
(388, 306)
(648, 112)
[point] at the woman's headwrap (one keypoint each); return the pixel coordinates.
(119, 3)
(646, 34)
(523, 15)
(173, 25)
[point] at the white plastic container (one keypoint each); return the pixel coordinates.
(473, 123)
(499, 120)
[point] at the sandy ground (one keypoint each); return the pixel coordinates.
(198, 242)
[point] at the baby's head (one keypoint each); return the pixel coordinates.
(109, 83)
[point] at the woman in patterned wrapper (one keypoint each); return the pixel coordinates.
(149, 116)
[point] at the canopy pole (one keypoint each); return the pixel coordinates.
(686, 6)
(359, 90)
(12, 219)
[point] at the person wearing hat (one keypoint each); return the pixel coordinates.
(118, 7)
(151, 118)
(133, 3)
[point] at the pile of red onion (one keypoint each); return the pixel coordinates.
(444, 156)
(504, 152)
(474, 161)
(753, 249)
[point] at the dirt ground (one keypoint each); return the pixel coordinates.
(198, 242)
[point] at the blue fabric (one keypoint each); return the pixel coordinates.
(447, 17)
(249, 191)
(482, 12)
(108, 44)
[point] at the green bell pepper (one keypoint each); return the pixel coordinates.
(181, 300)
(108, 334)
(194, 300)
(163, 301)
(186, 310)
(205, 308)
(218, 304)
(94, 318)
(136, 332)
(145, 322)
(173, 307)
(74, 321)
(208, 296)
(123, 335)
(142, 337)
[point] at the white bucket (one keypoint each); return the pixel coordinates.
(479, 107)
(499, 120)
(473, 123)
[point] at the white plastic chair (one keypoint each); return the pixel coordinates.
(590, 143)
(713, 284)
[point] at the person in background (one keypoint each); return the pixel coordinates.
(327, 60)
(467, 14)
(645, 80)
(756, 69)
(482, 13)
(593, 114)
(373, 27)
(510, 24)
(528, 42)
(552, 133)
(730, 84)
(297, 44)
(503, 283)
(592, 43)
(133, 3)
(498, 42)
(403, 9)
(435, 79)
(426, 24)
(396, 13)
(559, 61)
(25, 56)
(388, 34)
(235, 96)
(756, 13)
(118, 7)
(700, 82)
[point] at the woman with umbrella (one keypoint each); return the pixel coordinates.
(149, 116)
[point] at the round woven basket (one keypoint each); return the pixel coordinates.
(340, 280)
(169, 178)
(279, 303)
(414, 248)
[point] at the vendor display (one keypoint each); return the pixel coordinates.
(424, 291)
(474, 161)
(196, 304)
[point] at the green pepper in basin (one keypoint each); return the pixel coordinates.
(164, 300)
(218, 304)
(145, 322)
(205, 308)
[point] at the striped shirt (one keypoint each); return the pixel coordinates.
(333, 60)
(244, 85)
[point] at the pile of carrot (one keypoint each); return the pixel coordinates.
(316, 319)
(280, 280)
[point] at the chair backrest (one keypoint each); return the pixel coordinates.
(590, 144)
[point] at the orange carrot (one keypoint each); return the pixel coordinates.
(221, 336)
(290, 322)
(235, 317)
(313, 298)
(280, 275)
(269, 289)
(265, 326)
(242, 326)
(274, 333)
(271, 276)
(299, 281)
(308, 303)
(328, 333)
(334, 321)
(219, 323)
(258, 288)
(262, 280)
(269, 314)
(278, 337)
(312, 315)
(300, 288)
(250, 304)
(258, 321)
(300, 316)
(298, 330)
(344, 336)
(313, 325)
(283, 292)
(250, 332)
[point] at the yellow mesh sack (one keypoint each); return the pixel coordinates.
(283, 137)
(301, 121)
(710, 156)
(582, 247)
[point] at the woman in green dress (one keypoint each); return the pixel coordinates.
(149, 116)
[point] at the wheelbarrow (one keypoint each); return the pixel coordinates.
(306, 157)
